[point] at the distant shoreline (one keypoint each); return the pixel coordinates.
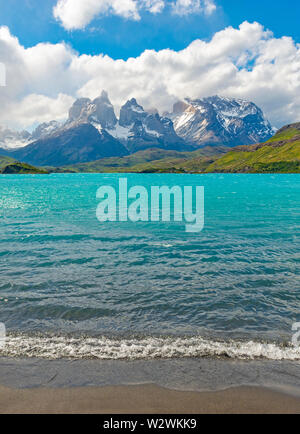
(151, 173)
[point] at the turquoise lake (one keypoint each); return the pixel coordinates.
(71, 286)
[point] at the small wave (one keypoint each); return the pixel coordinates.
(103, 348)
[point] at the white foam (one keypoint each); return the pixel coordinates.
(103, 348)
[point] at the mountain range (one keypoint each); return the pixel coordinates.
(280, 154)
(93, 131)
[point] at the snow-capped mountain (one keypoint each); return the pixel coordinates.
(92, 130)
(216, 120)
(136, 129)
(13, 139)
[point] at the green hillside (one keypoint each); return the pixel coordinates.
(153, 160)
(9, 166)
(150, 160)
(280, 154)
(179, 165)
(5, 161)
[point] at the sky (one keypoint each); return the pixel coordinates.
(158, 51)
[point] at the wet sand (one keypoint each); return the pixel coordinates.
(146, 399)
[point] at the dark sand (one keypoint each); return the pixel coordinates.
(145, 399)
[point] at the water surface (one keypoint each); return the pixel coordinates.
(73, 287)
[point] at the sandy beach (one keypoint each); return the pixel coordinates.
(146, 399)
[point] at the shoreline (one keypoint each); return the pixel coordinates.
(186, 375)
(145, 399)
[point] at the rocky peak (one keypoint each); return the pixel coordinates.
(79, 109)
(157, 125)
(103, 112)
(131, 112)
(99, 111)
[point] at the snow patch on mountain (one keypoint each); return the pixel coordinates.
(119, 132)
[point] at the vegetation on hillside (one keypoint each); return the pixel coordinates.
(280, 154)
(9, 166)
(151, 160)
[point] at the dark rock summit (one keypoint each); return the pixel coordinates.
(131, 112)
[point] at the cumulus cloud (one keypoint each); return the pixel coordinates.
(186, 7)
(77, 14)
(247, 62)
(37, 81)
(41, 108)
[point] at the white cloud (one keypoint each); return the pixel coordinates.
(186, 7)
(77, 14)
(2, 75)
(153, 6)
(35, 107)
(247, 62)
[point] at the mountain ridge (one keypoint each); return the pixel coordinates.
(93, 131)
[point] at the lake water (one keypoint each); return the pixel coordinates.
(72, 287)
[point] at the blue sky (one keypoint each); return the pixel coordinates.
(123, 38)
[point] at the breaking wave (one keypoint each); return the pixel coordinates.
(104, 348)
